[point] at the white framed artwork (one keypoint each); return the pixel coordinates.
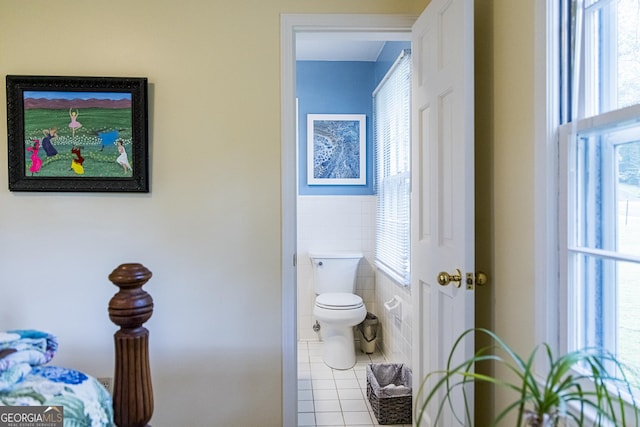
(336, 149)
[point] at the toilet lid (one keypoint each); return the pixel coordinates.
(338, 301)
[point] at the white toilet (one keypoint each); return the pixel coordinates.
(337, 308)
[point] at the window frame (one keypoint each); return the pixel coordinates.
(569, 245)
(549, 91)
(559, 311)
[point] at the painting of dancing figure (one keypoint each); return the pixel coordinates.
(85, 122)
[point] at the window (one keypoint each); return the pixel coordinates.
(392, 135)
(600, 161)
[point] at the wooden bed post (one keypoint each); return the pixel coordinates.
(129, 309)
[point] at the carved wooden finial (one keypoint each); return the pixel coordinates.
(129, 309)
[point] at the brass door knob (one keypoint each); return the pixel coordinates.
(445, 278)
(481, 278)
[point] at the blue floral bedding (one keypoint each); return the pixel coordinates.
(25, 380)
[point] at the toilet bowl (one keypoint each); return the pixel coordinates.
(337, 308)
(338, 313)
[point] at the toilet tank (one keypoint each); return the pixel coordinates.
(334, 271)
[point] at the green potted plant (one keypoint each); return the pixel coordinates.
(581, 386)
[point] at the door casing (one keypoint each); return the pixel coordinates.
(290, 25)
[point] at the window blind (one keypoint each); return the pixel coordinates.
(392, 138)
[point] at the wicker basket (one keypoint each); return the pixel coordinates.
(389, 392)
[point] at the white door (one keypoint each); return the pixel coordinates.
(442, 230)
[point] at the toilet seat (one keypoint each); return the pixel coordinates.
(339, 301)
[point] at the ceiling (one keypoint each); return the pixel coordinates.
(343, 46)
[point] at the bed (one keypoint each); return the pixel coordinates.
(27, 378)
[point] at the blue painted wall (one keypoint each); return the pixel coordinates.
(387, 57)
(325, 87)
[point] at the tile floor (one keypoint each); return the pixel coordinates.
(331, 397)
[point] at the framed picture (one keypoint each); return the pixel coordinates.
(77, 134)
(336, 149)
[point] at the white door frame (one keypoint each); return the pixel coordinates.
(290, 24)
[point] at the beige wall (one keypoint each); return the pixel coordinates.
(513, 173)
(210, 228)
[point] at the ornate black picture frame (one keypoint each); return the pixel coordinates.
(77, 134)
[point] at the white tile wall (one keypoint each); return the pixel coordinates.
(348, 223)
(396, 332)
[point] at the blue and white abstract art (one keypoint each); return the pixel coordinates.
(336, 149)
